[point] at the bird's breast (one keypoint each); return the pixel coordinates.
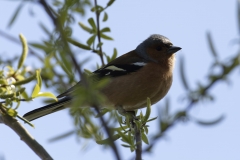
(131, 91)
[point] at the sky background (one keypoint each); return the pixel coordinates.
(185, 23)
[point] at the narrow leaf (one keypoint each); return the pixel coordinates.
(105, 37)
(89, 30)
(110, 3)
(208, 123)
(238, 16)
(105, 17)
(27, 80)
(67, 134)
(114, 56)
(80, 45)
(24, 51)
(106, 29)
(148, 110)
(11, 112)
(182, 74)
(47, 94)
(144, 138)
(107, 141)
(91, 40)
(36, 90)
(16, 13)
(212, 48)
(92, 23)
(39, 79)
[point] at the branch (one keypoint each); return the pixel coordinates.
(24, 135)
(98, 32)
(111, 140)
(58, 25)
(138, 139)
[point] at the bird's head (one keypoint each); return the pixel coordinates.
(157, 48)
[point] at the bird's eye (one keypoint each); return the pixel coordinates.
(158, 48)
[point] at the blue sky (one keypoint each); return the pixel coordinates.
(185, 23)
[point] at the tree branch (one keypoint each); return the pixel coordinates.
(112, 144)
(24, 135)
(98, 32)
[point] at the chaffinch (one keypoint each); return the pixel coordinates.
(134, 76)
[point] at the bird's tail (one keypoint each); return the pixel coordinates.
(51, 108)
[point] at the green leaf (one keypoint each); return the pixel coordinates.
(64, 135)
(106, 29)
(80, 45)
(207, 123)
(91, 40)
(146, 129)
(148, 111)
(124, 145)
(16, 13)
(5, 96)
(99, 44)
(89, 30)
(44, 28)
(24, 51)
(39, 79)
(105, 37)
(39, 46)
(212, 48)
(105, 17)
(152, 119)
(238, 16)
(182, 73)
(110, 3)
(114, 56)
(92, 23)
(47, 94)
(11, 112)
(27, 80)
(107, 141)
(144, 138)
(36, 90)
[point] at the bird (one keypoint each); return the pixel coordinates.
(145, 72)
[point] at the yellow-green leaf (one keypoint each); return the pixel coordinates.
(89, 30)
(148, 111)
(47, 94)
(39, 79)
(11, 112)
(24, 51)
(36, 90)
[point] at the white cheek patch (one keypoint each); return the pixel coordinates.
(139, 63)
(114, 68)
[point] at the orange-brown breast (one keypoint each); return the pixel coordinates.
(129, 92)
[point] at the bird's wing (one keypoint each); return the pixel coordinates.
(121, 66)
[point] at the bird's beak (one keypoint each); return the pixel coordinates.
(173, 49)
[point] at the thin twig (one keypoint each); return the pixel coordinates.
(98, 32)
(138, 139)
(112, 144)
(57, 24)
(24, 135)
